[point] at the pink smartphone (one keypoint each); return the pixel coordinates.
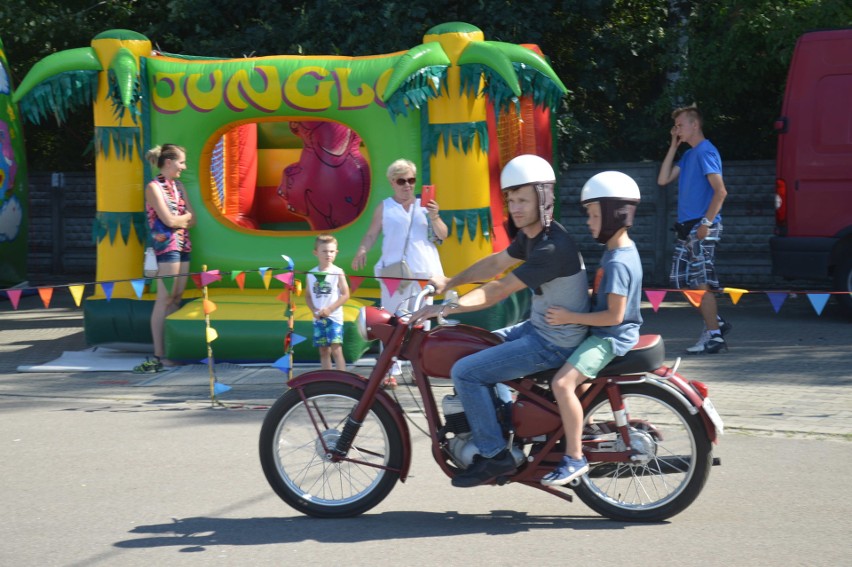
(427, 195)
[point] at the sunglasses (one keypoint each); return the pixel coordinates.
(410, 181)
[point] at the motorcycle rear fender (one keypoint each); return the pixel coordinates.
(680, 389)
(358, 382)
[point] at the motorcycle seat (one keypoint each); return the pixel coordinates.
(648, 354)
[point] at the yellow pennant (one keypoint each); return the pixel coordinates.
(212, 335)
(735, 293)
(267, 277)
(77, 293)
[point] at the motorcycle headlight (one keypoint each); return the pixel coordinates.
(361, 323)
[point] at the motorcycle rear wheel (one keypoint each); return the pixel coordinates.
(674, 459)
(298, 467)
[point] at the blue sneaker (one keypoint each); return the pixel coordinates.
(568, 470)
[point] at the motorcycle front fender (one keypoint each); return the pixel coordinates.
(382, 398)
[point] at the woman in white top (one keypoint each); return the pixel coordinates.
(396, 217)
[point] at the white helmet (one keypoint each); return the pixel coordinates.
(618, 195)
(609, 185)
(532, 170)
(524, 170)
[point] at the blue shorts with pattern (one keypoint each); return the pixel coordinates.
(694, 261)
(327, 332)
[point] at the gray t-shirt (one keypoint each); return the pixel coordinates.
(622, 275)
(553, 269)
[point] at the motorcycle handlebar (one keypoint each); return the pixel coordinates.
(427, 290)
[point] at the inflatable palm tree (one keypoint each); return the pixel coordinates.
(445, 78)
(73, 78)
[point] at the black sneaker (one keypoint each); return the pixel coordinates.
(724, 327)
(486, 469)
(712, 345)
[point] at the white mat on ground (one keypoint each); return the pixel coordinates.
(102, 359)
(95, 359)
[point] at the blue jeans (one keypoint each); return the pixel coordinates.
(475, 376)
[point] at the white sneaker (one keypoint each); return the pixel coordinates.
(699, 346)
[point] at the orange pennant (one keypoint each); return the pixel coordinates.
(241, 280)
(46, 293)
(694, 296)
(284, 296)
(208, 306)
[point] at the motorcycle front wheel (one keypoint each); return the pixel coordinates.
(672, 458)
(294, 440)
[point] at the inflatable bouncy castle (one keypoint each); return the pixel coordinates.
(13, 185)
(282, 148)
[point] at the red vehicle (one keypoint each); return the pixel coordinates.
(335, 444)
(813, 204)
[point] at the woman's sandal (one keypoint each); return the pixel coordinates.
(389, 383)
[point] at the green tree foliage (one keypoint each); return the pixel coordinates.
(627, 62)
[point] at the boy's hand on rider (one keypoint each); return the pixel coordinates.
(558, 316)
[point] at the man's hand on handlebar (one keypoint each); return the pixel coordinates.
(440, 283)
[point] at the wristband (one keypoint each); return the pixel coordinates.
(705, 222)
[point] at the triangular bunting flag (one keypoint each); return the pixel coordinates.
(208, 306)
(320, 276)
(209, 277)
(263, 270)
(655, 297)
(240, 278)
(219, 388)
(297, 339)
(138, 287)
(777, 299)
(289, 261)
(77, 293)
(298, 286)
(196, 279)
(422, 283)
(818, 300)
(267, 277)
(108, 287)
(355, 283)
(283, 363)
(14, 297)
(286, 279)
(694, 296)
(167, 282)
(212, 335)
(392, 284)
(735, 293)
(284, 296)
(46, 293)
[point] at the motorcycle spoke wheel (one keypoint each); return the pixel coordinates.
(671, 465)
(295, 450)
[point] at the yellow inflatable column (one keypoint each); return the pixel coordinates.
(119, 184)
(461, 179)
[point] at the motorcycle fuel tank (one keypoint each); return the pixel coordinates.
(445, 345)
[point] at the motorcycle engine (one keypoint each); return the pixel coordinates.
(461, 447)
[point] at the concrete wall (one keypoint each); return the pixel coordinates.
(62, 212)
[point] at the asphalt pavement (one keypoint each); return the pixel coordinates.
(786, 373)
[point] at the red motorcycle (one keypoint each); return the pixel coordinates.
(335, 444)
